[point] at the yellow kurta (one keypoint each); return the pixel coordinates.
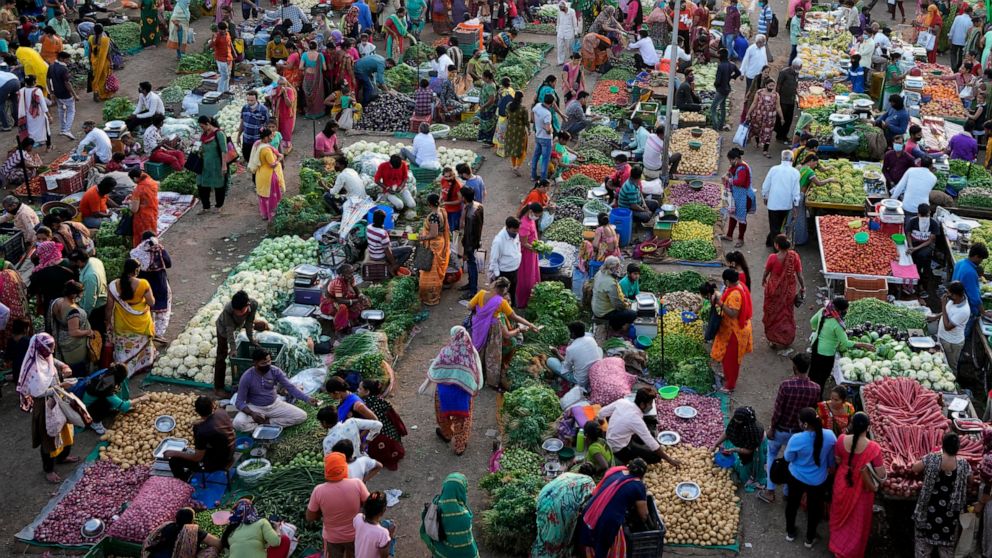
(34, 65)
(128, 323)
(263, 178)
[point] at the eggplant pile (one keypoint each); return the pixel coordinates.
(877, 330)
(389, 112)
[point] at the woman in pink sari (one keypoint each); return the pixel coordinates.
(284, 105)
(859, 473)
(529, 272)
(783, 277)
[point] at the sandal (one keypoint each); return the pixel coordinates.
(53, 478)
(70, 460)
(766, 497)
(739, 244)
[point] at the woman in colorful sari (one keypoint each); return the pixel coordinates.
(621, 494)
(40, 372)
(455, 519)
(71, 328)
(149, 23)
(270, 184)
(933, 22)
(155, 261)
(606, 239)
(491, 330)
(503, 99)
(571, 76)
(181, 538)
(340, 69)
(595, 51)
(835, 413)
(734, 338)
(548, 88)
(396, 31)
(129, 318)
(313, 80)
(529, 272)
(387, 446)
(284, 105)
(457, 371)
(417, 10)
(436, 236)
(782, 281)
(858, 460)
(439, 17)
(98, 50)
(292, 67)
(559, 507)
(517, 132)
(487, 109)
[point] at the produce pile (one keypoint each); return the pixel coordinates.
(402, 78)
(974, 174)
(183, 182)
(118, 108)
(599, 137)
(133, 438)
(699, 212)
(701, 431)
(697, 162)
(714, 517)
(679, 347)
(510, 525)
(822, 51)
(975, 197)
(417, 54)
(944, 100)
(112, 248)
(603, 92)
(156, 503)
(187, 82)
(705, 75)
(895, 359)
(521, 65)
(680, 193)
(388, 112)
(447, 156)
(850, 188)
(196, 63)
(871, 311)
(670, 282)
(614, 111)
(566, 230)
(100, 493)
(465, 131)
(127, 36)
(530, 412)
(693, 250)
(843, 255)
(541, 28)
(360, 352)
(683, 301)
(596, 172)
(691, 230)
(908, 422)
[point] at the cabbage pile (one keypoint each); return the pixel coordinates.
(266, 275)
(229, 117)
(448, 156)
(930, 370)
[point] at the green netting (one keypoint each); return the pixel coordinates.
(154, 378)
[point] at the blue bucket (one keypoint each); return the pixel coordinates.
(552, 263)
(388, 210)
(623, 219)
(594, 267)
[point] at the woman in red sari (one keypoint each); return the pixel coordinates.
(783, 275)
(284, 105)
(858, 460)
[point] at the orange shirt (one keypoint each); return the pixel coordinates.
(92, 202)
(51, 46)
(222, 47)
(536, 195)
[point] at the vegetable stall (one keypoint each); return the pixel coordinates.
(850, 249)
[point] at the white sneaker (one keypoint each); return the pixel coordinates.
(98, 428)
(68, 135)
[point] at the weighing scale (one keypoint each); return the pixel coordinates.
(115, 129)
(647, 306)
(210, 81)
(264, 435)
(874, 184)
(668, 212)
(161, 466)
(963, 242)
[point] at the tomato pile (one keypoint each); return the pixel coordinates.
(601, 95)
(595, 172)
(843, 255)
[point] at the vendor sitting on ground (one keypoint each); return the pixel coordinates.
(95, 143)
(745, 435)
(608, 302)
(213, 442)
(102, 396)
(380, 248)
(424, 152)
(342, 300)
(631, 284)
(628, 435)
(582, 352)
(181, 536)
(632, 198)
(351, 183)
(22, 164)
(257, 400)
(391, 177)
(686, 98)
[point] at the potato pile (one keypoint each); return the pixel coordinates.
(701, 162)
(134, 438)
(711, 519)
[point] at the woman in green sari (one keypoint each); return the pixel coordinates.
(149, 23)
(487, 109)
(559, 507)
(396, 31)
(455, 519)
(548, 88)
(418, 13)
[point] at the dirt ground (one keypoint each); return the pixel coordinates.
(204, 248)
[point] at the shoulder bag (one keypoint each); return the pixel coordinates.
(71, 406)
(432, 521)
(870, 479)
(779, 471)
(194, 163)
(423, 259)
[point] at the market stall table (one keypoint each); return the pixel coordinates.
(848, 249)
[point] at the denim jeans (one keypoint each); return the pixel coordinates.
(778, 442)
(368, 88)
(542, 149)
(67, 113)
(793, 53)
(224, 83)
(718, 111)
(473, 271)
(8, 103)
(728, 43)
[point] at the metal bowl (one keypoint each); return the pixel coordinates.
(687, 491)
(685, 412)
(669, 438)
(165, 423)
(552, 445)
(93, 528)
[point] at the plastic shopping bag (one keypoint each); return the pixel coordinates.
(740, 137)
(926, 40)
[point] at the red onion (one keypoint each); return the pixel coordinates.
(609, 381)
(156, 503)
(703, 430)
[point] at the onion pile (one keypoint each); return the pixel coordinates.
(711, 519)
(100, 493)
(156, 503)
(703, 430)
(134, 438)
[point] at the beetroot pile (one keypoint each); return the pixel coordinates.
(102, 490)
(156, 503)
(609, 381)
(703, 430)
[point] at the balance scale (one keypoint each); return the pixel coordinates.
(647, 306)
(964, 236)
(890, 212)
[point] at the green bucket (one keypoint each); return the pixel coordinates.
(861, 238)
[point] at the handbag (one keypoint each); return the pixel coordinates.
(194, 163)
(125, 227)
(926, 39)
(779, 471)
(432, 521)
(870, 479)
(94, 347)
(71, 406)
(712, 324)
(423, 258)
(740, 136)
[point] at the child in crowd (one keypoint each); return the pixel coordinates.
(631, 284)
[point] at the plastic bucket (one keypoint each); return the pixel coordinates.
(594, 267)
(623, 219)
(388, 210)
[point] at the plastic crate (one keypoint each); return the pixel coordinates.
(468, 115)
(158, 171)
(13, 247)
(424, 176)
(646, 544)
(109, 546)
(241, 359)
(856, 288)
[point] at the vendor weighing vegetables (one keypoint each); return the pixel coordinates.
(258, 403)
(213, 440)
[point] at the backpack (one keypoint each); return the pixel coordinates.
(773, 26)
(432, 521)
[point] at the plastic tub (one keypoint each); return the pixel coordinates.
(642, 342)
(594, 267)
(552, 263)
(669, 392)
(861, 238)
(899, 238)
(593, 208)
(388, 210)
(252, 476)
(623, 219)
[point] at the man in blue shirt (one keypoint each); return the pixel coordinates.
(968, 272)
(254, 116)
(364, 16)
(895, 121)
(856, 74)
(365, 69)
(640, 138)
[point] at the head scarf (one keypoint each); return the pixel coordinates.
(933, 16)
(335, 467)
(336, 37)
(458, 363)
(456, 518)
(38, 370)
(830, 311)
(49, 253)
(244, 513)
(743, 430)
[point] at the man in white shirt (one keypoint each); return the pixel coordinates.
(441, 61)
(362, 467)
(581, 354)
(866, 48)
(951, 322)
(882, 44)
(504, 255)
(915, 188)
(958, 35)
(780, 191)
(149, 104)
(681, 58)
(627, 435)
(365, 46)
(542, 135)
(647, 56)
(9, 85)
(424, 152)
(351, 182)
(755, 58)
(568, 29)
(95, 143)
(653, 149)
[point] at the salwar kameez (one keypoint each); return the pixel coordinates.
(487, 115)
(517, 124)
(529, 272)
(396, 31)
(269, 182)
(454, 421)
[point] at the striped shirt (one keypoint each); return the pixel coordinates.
(378, 242)
(630, 194)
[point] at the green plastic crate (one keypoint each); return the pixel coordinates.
(109, 546)
(424, 176)
(241, 359)
(158, 171)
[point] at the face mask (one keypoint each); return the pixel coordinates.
(897, 147)
(278, 41)
(263, 368)
(512, 235)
